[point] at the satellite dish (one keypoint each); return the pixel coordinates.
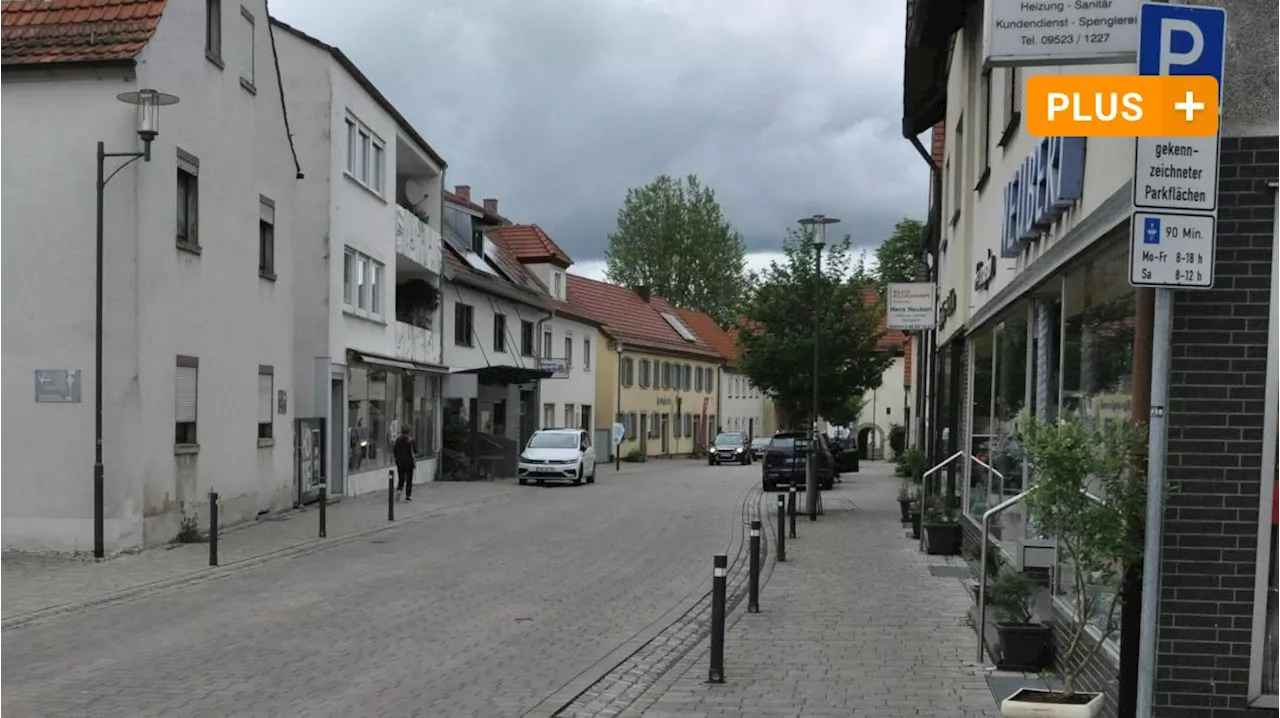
(415, 191)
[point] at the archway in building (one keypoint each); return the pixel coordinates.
(871, 442)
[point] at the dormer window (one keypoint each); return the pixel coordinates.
(556, 285)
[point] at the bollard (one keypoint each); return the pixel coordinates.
(391, 495)
(753, 586)
(782, 529)
(791, 510)
(324, 505)
(213, 528)
(719, 577)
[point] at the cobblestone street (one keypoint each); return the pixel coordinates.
(853, 624)
(487, 609)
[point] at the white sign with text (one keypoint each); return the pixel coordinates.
(1066, 32)
(910, 306)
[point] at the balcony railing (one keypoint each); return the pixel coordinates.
(416, 344)
(416, 240)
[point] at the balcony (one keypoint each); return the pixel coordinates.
(416, 242)
(416, 344)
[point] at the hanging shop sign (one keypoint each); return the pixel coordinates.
(559, 368)
(1070, 32)
(947, 308)
(910, 306)
(985, 272)
(1048, 183)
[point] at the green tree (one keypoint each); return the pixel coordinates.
(777, 339)
(673, 238)
(898, 257)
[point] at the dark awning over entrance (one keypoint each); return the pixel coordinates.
(506, 374)
(354, 355)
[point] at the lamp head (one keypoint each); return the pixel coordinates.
(148, 103)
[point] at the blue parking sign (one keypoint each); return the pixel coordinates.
(1182, 40)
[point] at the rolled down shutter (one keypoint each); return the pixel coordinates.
(185, 394)
(265, 390)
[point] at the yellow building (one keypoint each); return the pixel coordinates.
(654, 374)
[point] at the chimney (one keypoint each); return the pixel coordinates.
(491, 206)
(642, 291)
(463, 191)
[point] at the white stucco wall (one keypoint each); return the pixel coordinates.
(579, 388)
(213, 306)
(885, 406)
(482, 352)
(1108, 165)
(742, 405)
(336, 213)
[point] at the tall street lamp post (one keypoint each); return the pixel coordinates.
(148, 103)
(816, 227)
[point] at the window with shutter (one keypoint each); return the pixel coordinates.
(186, 386)
(266, 394)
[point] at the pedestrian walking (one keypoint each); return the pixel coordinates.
(404, 450)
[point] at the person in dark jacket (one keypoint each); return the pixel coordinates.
(404, 451)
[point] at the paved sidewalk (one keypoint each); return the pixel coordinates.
(853, 624)
(39, 583)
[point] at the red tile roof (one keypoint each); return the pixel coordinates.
(530, 244)
(45, 32)
(708, 331)
(628, 318)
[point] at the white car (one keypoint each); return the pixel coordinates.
(558, 455)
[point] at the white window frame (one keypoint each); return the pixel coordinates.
(366, 163)
(586, 354)
(570, 418)
(546, 344)
(190, 365)
(1266, 493)
(366, 279)
(247, 79)
(557, 284)
(266, 404)
(548, 416)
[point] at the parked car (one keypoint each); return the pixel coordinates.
(557, 455)
(846, 454)
(786, 461)
(730, 446)
(758, 447)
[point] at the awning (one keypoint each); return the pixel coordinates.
(366, 357)
(506, 374)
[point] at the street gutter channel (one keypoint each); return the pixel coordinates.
(628, 681)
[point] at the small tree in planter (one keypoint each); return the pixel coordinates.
(1068, 461)
(1024, 641)
(897, 439)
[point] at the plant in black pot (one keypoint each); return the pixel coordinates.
(1024, 642)
(913, 515)
(942, 534)
(906, 495)
(995, 564)
(1082, 493)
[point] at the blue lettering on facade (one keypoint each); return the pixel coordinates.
(1049, 182)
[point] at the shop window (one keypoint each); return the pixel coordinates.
(379, 401)
(1265, 654)
(982, 490)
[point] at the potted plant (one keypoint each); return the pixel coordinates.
(1072, 465)
(995, 563)
(942, 533)
(913, 515)
(905, 496)
(1024, 642)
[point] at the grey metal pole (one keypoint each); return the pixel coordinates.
(1161, 344)
(719, 583)
(99, 482)
(213, 528)
(811, 480)
(753, 588)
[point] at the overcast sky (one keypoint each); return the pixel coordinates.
(556, 107)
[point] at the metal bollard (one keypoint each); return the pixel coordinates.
(719, 579)
(791, 510)
(753, 585)
(324, 505)
(391, 495)
(213, 528)
(782, 528)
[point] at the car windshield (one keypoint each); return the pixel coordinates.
(789, 443)
(729, 440)
(760, 441)
(553, 440)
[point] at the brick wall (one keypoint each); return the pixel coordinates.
(1215, 453)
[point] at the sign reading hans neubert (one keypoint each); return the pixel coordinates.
(1049, 181)
(910, 306)
(1070, 32)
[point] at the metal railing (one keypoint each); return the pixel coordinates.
(990, 470)
(982, 566)
(924, 486)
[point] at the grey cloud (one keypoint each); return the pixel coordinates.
(556, 107)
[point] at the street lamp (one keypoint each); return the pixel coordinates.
(816, 227)
(148, 103)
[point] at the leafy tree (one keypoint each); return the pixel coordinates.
(898, 257)
(777, 337)
(673, 238)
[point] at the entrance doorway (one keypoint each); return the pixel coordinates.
(337, 477)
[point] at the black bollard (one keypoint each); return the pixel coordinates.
(753, 586)
(324, 505)
(719, 579)
(213, 528)
(791, 510)
(782, 529)
(391, 495)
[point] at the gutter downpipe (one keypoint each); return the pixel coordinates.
(439, 399)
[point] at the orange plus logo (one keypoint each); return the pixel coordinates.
(1122, 106)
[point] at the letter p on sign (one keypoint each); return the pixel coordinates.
(1169, 57)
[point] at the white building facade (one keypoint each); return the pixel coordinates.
(742, 406)
(367, 351)
(197, 294)
(568, 341)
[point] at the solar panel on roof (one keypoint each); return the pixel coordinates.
(678, 325)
